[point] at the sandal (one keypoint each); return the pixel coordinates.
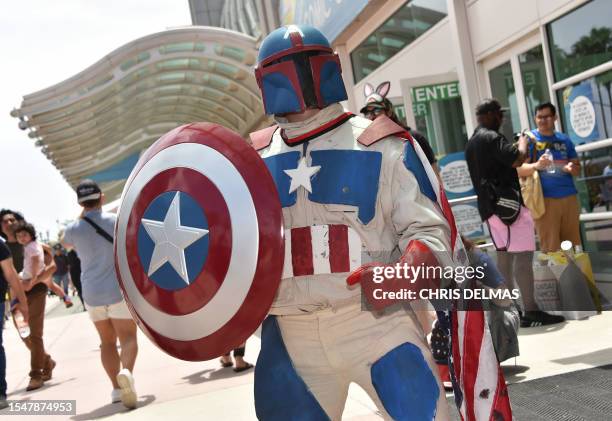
(225, 364)
(244, 368)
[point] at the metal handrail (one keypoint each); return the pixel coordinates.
(591, 146)
(593, 71)
(597, 216)
(584, 217)
(595, 178)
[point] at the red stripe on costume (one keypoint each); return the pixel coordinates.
(501, 401)
(301, 251)
(473, 331)
(457, 360)
(339, 249)
(296, 39)
(448, 214)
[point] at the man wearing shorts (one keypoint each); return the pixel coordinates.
(492, 161)
(91, 236)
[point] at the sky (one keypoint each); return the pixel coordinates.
(43, 43)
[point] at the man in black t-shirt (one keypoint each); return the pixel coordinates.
(9, 219)
(8, 276)
(74, 263)
(492, 161)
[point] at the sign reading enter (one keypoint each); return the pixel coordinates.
(439, 92)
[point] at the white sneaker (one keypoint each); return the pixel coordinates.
(116, 396)
(128, 392)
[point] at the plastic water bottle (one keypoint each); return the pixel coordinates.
(551, 168)
(22, 326)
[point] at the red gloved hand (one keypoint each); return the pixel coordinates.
(384, 285)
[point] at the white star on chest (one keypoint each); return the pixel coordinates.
(171, 239)
(301, 176)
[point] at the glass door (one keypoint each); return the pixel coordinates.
(502, 88)
(438, 114)
(535, 83)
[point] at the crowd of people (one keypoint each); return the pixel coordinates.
(32, 269)
(495, 166)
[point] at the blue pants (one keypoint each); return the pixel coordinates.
(2, 356)
(307, 363)
(62, 281)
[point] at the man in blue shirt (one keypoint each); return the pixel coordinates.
(560, 220)
(91, 236)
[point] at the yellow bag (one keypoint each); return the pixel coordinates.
(531, 190)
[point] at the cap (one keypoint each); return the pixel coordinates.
(489, 105)
(373, 104)
(88, 190)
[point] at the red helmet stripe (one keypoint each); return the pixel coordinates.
(296, 39)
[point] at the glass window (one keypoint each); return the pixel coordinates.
(535, 84)
(411, 21)
(585, 110)
(502, 88)
(595, 193)
(581, 39)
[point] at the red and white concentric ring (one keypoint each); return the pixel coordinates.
(243, 262)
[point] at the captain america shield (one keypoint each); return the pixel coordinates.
(199, 241)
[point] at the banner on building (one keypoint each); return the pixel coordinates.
(457, 183)
(330, 16)
(456, 176)
(580, 112)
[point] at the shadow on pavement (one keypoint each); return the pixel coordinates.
(214, 374)
(113, 408)
(32, 393)
(602, 354)
(512, 373)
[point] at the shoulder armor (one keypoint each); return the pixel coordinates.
(261, 139)
(379, 129)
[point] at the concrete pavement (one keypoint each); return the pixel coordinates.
(173, 389)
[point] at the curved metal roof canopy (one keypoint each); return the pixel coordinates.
(96, 124)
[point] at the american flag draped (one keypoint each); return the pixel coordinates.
(478, 381)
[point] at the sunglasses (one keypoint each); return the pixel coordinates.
(374, 112)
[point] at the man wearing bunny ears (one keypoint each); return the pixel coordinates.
(377, 104)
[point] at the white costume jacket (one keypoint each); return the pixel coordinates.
(345, 203)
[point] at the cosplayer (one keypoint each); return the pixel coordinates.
(352, 192)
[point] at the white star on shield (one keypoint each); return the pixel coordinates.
(171, 239)
(301, 176)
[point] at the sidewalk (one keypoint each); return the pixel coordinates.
(174, 389)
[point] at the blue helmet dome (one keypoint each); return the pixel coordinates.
(297, 69)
